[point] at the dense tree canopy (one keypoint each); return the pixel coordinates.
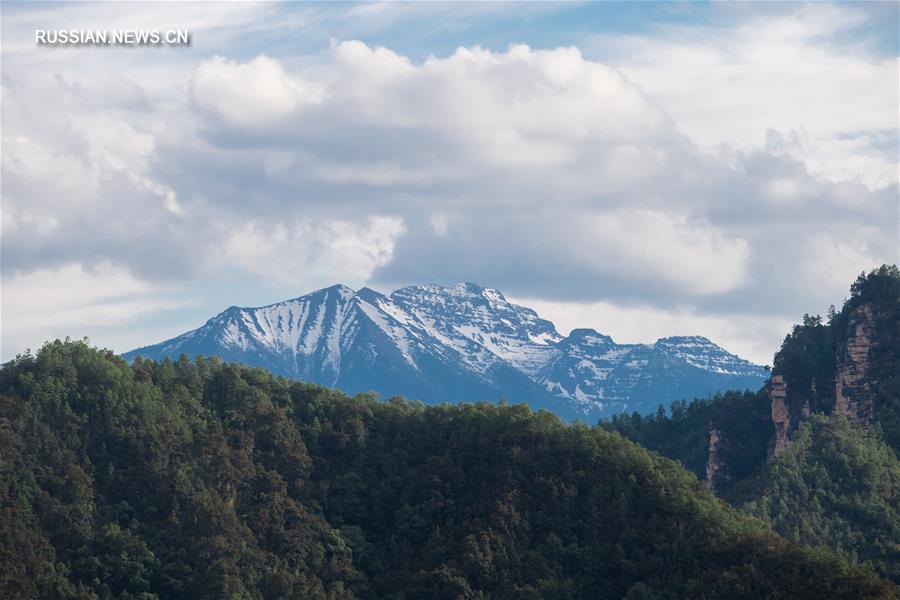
(206, 480)
(838, 483)
(837, 486)
(741, 418)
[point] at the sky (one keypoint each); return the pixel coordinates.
(644, 169)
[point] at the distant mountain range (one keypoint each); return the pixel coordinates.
(460, 343)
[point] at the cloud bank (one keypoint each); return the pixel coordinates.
(673, 179)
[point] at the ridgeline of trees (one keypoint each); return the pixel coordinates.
(838, 485)
(743, 419)
(205, 480)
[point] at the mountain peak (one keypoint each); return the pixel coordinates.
(368, 294)
(467, 287)
(681, 340)
(341, 289)
(586, 334)
(459, 342)
(462, 289)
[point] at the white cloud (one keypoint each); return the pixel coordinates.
(461, 132)
(78, 182)
(474, 107)
(440, 222)
(733, 85)
(251, 94)
(832, 263)
(72, 301)
(306, 254)
(656, 246)
(705, 176)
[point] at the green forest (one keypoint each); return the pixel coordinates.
(201, 479)
(208, 480)
(838, 484)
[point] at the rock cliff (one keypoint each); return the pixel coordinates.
(716, 467)
(852, 386)
(824, 369)
(781, 418)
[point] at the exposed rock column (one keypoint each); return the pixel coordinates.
(777, 391)
(715, 466)
(853, 397)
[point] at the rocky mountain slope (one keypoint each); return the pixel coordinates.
(848, 366)
(447, 344)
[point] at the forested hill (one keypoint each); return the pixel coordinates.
(205, 480)
(815, 452)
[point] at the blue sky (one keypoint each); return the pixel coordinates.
(645, 169)
(439, 28)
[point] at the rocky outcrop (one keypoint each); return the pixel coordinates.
(853, 395)
(794, 393)
(777, 392)
(805, 410)
(844, 366)
(716, 471)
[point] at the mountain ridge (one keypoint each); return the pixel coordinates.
(449, 343)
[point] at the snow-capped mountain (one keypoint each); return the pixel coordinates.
(596, 374)
(459, 343)
(476, 320)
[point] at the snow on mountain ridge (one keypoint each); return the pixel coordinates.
(702, 353)
(465, 311)
(459, 342)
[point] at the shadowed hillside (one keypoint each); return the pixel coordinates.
(814, 452)
(205, 480)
